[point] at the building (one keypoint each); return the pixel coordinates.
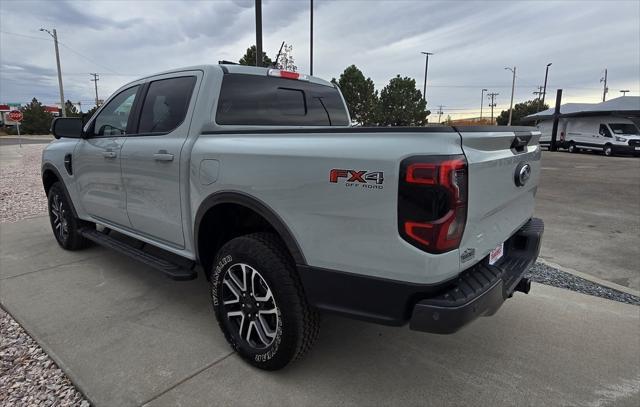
(5, 108)
(623, 106)
(579, 118)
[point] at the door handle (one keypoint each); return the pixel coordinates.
(162, 155)
(109, 154)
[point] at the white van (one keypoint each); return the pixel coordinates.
(609, 134)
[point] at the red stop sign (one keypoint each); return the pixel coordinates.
(15, 116)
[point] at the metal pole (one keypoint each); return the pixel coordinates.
(55, 41)
(19, 137)
(556, 117)
(258, 32)
(426, 68)
(311, 42)
(481, 102)
(544, 91)
(605, 90)
(513, 86)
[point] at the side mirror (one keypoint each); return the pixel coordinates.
(69, 127)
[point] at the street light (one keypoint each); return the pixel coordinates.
(513, 86)
(482, 102)
(426, 66)
(54, 35)
(546, 74)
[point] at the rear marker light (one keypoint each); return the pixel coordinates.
(287, 75)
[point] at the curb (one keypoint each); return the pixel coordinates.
(76, 381)
(590, 278)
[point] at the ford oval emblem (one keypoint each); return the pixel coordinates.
(522, 175)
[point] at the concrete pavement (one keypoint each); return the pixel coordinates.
(591, 208)
(126, 335)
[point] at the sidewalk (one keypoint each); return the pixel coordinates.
(126, 335)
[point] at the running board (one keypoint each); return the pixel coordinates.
(172, 270)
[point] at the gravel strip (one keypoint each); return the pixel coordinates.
(21, 192)
(28, 377)
(541, 273)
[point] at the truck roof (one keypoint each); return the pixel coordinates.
(234, 68)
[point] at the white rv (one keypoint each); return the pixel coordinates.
(607, 134)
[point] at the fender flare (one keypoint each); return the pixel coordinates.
(52, 168)
(262, 209)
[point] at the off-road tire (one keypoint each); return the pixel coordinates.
(61, 218)
(298, 323)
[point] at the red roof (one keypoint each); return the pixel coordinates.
(4, 108)
(51, 109)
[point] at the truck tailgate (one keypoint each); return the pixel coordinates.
(497, 205)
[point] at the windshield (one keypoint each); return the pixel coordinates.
(624, 128)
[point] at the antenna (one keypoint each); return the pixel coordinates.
(275, 63)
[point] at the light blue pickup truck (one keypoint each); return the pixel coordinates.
(255, 178)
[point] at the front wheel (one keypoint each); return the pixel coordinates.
(66, 228)
(608, 150)
(259, 301)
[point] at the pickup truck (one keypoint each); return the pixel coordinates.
(255, 178)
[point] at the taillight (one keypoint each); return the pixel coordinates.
(432, 201)
(287, 74)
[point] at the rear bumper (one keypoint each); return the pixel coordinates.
(481, 290)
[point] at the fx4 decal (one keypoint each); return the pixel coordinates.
(351, 178)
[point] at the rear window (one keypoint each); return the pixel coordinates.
(269, 101)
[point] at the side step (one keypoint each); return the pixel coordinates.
(172, 270)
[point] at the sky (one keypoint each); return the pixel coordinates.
(472, 43)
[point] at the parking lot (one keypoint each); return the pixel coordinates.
(126, 335)
(591, 208)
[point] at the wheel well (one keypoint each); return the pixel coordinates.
(48, 179)
(224, 222)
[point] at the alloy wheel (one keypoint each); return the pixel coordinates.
(249, 306)
(58, 216)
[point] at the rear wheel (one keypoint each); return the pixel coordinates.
(66, 228)
(259, 302)
(607, 150)
(572, 148)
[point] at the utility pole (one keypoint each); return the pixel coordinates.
(54, 35)
(546, 75)
(513, 86)
(624, 92)
(80, 106)
(258, 32)
(95, 80)
(440, 113)
(492, 95)
(481, 102)
(311, 43)
(426, 67)
(539, 92)
(605, 89)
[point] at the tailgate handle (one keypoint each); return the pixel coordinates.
(519, 143)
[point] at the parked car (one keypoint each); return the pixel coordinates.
(607, 134)
(254, 176)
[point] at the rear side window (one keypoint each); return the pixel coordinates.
(269, 101)
(166, 104)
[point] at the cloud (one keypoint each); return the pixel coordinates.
(472, 42)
